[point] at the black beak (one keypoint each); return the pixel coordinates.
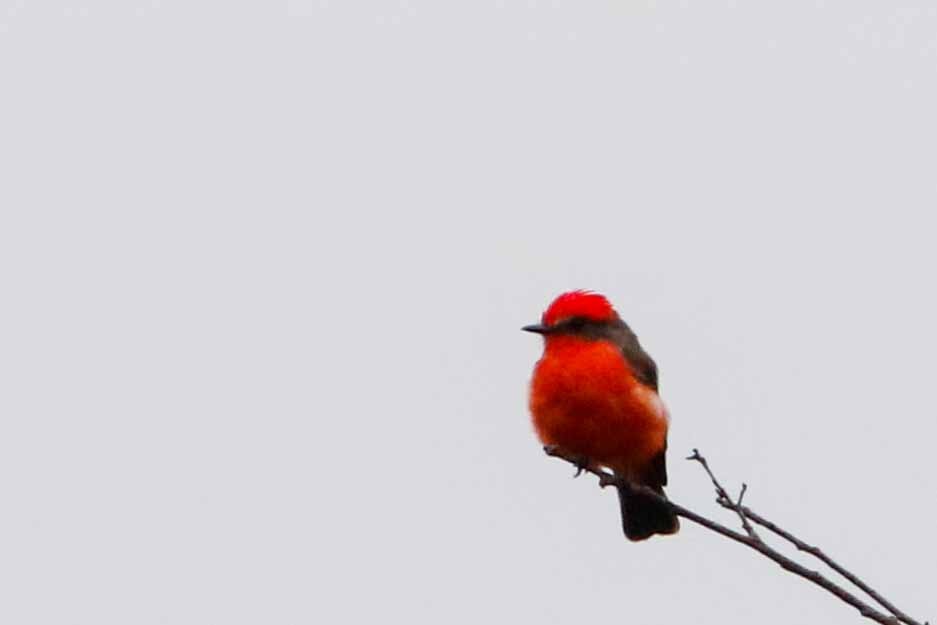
(538, 328)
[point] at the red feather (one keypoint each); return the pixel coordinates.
(579, 304)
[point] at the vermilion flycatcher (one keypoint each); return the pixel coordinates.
(594, 395)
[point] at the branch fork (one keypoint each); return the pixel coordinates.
(751, 539)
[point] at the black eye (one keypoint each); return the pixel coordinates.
(576, 323)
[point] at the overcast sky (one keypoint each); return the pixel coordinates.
(264, 267)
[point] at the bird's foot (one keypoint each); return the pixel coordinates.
(582, 464)
(610, 479)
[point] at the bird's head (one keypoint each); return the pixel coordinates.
(578, 313)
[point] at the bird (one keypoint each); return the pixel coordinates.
(594, 396)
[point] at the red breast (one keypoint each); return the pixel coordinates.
(585, 399)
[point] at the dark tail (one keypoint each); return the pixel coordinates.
(642, 516)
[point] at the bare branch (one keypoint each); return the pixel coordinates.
(741, 495)
(817, 553)
(723, 499)
(751, 539)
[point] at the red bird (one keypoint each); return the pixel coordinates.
(594, 395)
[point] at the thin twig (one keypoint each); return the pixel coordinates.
(749, 540)
(723, 499)
(818, 553)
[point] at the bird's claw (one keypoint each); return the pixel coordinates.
(582, 464)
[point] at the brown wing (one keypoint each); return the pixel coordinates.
(644, 367)
(645, 370)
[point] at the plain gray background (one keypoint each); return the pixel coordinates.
(264, 267)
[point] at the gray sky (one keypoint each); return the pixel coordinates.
(264, 267)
